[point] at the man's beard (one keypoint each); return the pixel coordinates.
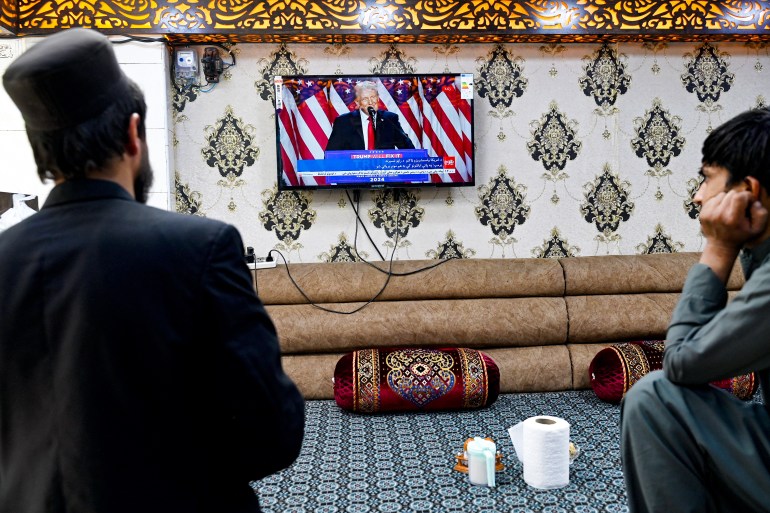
(143, 180)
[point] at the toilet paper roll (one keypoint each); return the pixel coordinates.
(542, 445)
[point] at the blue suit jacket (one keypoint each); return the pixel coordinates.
(347, 132)
(138, 369)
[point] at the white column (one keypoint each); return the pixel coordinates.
(145, 63)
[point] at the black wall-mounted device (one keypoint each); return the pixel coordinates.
(212, 64)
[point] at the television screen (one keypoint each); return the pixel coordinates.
(372, 131)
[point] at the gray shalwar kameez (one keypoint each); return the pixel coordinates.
(687, 446)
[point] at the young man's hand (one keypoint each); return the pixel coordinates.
(729, 220)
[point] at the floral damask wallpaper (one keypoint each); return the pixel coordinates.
(581, 149)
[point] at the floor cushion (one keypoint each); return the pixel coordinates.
(615, 369)
(408, 379)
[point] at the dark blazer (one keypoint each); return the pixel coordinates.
(138, 370)
(347, 132)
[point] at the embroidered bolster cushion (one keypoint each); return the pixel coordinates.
(409, 379)
(615, 369)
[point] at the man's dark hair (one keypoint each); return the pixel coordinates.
(742, 146)
(75, 152)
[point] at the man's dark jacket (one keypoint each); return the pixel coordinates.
(347, 132)
(138, 370)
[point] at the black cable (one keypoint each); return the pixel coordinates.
(227, 64)
(354, 203)
(389, 271)
(416, 271)
(139, 39)
(370, 264)
(315, 305)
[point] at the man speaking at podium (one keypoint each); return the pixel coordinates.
(368, 128)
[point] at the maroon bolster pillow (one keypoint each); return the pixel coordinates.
(413, 379)
(615, 369)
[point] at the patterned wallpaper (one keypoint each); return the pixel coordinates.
(581, 149)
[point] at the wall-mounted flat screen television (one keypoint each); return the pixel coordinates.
(373, 131)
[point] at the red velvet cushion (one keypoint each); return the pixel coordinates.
(615, 369)
(407, 379)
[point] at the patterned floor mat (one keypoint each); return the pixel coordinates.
(403, 462)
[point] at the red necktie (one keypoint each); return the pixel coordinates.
(370, 136)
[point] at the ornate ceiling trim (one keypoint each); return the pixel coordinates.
(406, 21)
(8, 16)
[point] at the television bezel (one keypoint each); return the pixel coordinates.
(282, 187)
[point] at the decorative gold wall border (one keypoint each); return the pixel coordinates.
(8, 15)
(406, 21)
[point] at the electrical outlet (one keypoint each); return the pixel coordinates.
(261, 263)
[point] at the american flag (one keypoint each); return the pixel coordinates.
(430, 109)
(446, 124)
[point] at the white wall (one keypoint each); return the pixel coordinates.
(145, 63)
(18, 167)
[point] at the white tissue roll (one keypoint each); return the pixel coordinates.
(546, 452)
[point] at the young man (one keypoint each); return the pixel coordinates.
(687, 446)
(368, 128)
(138, 370)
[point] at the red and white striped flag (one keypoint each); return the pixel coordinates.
(430, 109)
(307, 126)
(446, 125)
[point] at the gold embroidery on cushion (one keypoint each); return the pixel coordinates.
(743, 386)
(642, 366)
(475, 380)
(366, 377)
(634, 362)
(420, 375)
(355, 380)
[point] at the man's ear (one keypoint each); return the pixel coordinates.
(754, 187)
(134, 142)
